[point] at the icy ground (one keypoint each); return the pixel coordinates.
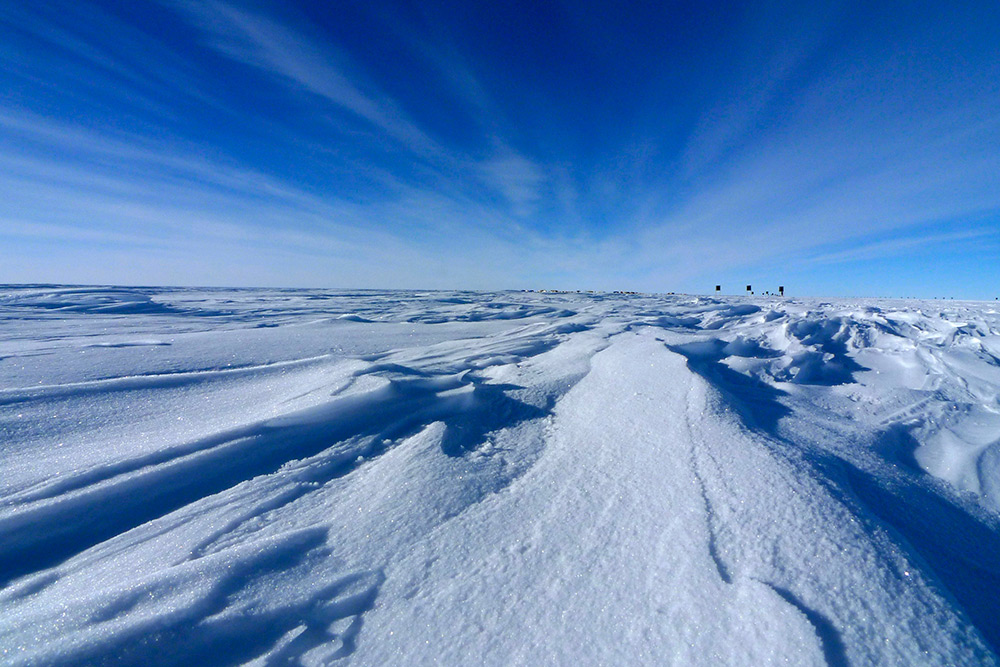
(314, 477)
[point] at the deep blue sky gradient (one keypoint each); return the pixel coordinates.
(843, 148)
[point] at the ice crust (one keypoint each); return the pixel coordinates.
(211, 476)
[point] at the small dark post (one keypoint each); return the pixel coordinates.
(718, 288)
(781, 290)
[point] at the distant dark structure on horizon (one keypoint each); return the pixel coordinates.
(781, 290)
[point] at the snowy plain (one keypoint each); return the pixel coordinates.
(212, 476)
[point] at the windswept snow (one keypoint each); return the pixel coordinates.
(315, 477)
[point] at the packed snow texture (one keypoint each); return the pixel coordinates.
(374, 477)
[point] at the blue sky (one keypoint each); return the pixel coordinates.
(842, 149)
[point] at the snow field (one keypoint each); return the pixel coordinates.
(315, 477)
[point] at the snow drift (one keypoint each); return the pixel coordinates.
(315, 477)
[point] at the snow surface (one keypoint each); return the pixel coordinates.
(313, 477)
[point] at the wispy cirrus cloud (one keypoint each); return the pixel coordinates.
(308, 63)
(897, 246)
